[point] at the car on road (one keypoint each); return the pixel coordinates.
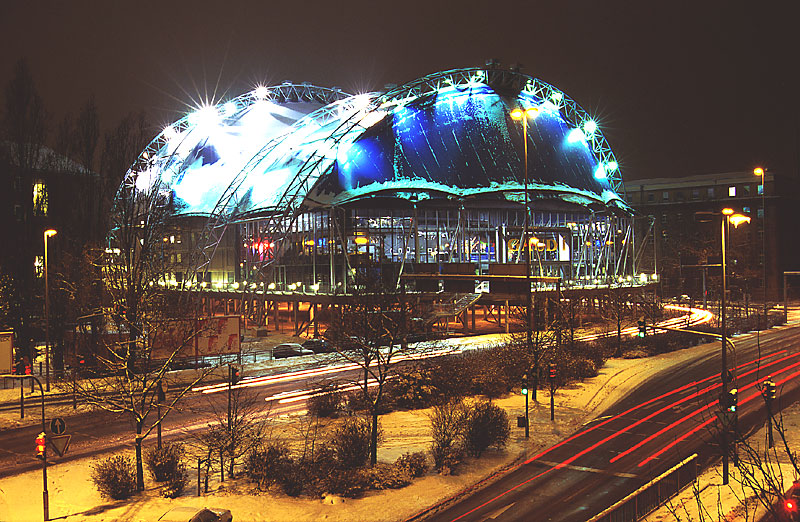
(290, 350)
(319, 346)
(193, 514)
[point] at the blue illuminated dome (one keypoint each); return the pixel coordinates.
(448, 135)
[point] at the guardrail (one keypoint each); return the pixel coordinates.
(652, 495)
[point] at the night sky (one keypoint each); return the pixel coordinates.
(680, 87)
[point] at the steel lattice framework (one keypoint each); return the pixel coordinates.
(313, 142)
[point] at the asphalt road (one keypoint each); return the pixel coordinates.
(669, 417)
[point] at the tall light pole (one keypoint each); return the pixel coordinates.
(47, 233)
(520, 114)
(758, 171)
(736, 220)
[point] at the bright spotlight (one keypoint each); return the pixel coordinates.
(590, 126)
(600, 172)
(576, 136)
(261, 92)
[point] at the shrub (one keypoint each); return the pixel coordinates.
(267, 464)
(447, 428)
(163, 463)
(115, 477)
(328, 403)
(176, 482)
(413, 464)
(350, 442)
(486, 426)
(385, 476)
(292, 478)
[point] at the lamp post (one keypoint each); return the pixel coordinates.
(736, 220)
(524, 114)
(47, 233)
(758, 171)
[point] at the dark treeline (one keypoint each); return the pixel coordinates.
(60, 175)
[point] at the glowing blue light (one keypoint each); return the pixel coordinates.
(600, 172)
(557, 96)
(576, 136)
(590, 126)
(261, 92)
(611, 166)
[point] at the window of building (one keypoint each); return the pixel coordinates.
(38, 266)
(39, 198)
(665, 195)
(663, 219)
(760, 213)
(695, 194)
(760, 189)
(679, 196)
(711, 193)
(731, 192)
(650, 197)
(746, 210)
(746, 190)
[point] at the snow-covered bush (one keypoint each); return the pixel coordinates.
(115, 477)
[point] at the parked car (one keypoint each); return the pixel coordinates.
(290, 350)
(319, 346)
(193, 514)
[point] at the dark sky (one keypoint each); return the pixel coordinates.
(678, 87)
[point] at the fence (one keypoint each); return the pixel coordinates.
(651, 495)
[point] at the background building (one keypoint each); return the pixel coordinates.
(681, 244)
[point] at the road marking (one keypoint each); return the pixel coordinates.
(494, 514)
(591, 470)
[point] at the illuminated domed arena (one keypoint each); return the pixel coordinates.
(301, 188)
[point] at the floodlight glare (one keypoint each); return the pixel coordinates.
(738, 219)
(727, 211)
(758, 171)
(517, 114)
(590, 126)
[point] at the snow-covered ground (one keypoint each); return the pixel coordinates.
(73, 496)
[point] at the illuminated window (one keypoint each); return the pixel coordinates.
(746, 210)
(731, 192)
(38, 266)
(746, 189)
(39, 198)
(760, 189)
(665, 195)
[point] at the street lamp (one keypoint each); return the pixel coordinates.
(733, 219)
(758, 171)
(47, 233)
(524, 114)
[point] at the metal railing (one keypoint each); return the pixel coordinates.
(652, 495)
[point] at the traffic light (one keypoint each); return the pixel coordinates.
(729, 400)
(552, 374)
(524, 384)
(770, 390)
(235, 374)
(41, 445)
(642, 323)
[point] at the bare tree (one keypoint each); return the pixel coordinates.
(146, 326)
(370, 330)
(234, 436)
